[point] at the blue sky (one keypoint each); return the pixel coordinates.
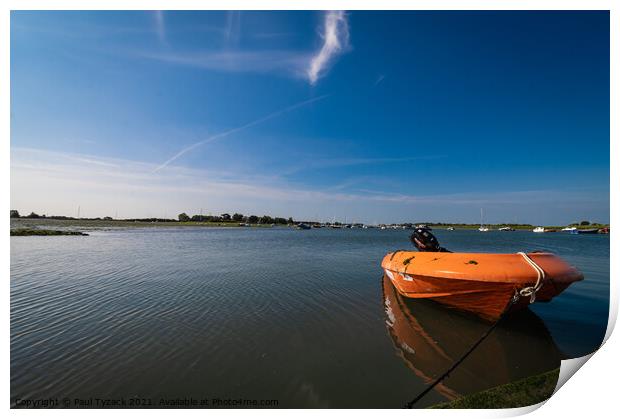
(372, 116)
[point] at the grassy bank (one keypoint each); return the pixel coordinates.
(526, 392)
(43, 232)
(31, 223)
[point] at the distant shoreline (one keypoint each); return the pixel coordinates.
(44, 232)
(240, 220)
(90, 224)
(99, 224)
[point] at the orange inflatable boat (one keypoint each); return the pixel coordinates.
(482, 283)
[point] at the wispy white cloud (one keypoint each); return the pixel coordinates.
(224, 134)
(160, 25)
(232, 30)
(302, 64)
(56, 183)
(335, 41)
(287, 63)
(319, 163)
(72, 179)
(379, 79)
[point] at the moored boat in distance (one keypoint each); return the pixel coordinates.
(569, 229)
(482, 283)
(587, 231)
(450, 228)
(302, 226)
(482, 227)
(544, 230)
(506, 229)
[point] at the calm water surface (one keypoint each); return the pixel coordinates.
(303, 317)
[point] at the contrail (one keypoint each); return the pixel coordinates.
(234, 130)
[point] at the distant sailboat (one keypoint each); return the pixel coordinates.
(334, 225)
(482, 226)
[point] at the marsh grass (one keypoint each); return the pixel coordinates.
(526, 392)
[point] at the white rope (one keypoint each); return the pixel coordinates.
(531, 291)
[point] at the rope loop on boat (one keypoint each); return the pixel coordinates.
(531, 291)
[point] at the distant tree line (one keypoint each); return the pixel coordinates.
(235, 218)
(254, 219)
(183, 217)
(146, 220)
(586, 223)
(15, 214)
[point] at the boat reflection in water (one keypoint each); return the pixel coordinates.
(430, 337)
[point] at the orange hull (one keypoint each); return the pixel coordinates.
(481, 283)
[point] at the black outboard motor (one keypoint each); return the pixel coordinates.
(425, 241)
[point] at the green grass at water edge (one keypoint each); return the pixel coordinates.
(526, 392)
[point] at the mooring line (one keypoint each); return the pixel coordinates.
(513, 300)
